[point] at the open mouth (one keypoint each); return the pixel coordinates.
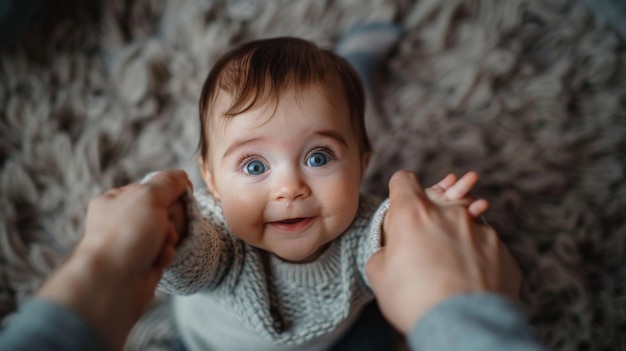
(293, 224)
(291, 221)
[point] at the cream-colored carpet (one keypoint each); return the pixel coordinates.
(530, 93)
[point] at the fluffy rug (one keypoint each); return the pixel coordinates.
(530, 93)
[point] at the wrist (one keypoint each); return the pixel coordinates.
(89, 287)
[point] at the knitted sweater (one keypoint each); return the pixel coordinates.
(233, 296)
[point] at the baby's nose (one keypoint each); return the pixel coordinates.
(290, 185)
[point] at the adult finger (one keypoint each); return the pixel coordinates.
(374, 267)
(112, 193)
(404, 186)
(169, 185)
(407, 203)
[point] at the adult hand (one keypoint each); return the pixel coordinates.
(129, 240)
(433, 253)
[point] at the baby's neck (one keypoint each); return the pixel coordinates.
(308, 259)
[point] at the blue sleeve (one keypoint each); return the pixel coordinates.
(474, 322)
(43, 325)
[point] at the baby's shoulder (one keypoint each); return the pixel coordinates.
(368, 204)
(209, 207)
(206, 201)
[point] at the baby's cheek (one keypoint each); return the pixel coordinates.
(345, 205)
(244, 218)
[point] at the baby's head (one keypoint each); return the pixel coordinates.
(283, 145)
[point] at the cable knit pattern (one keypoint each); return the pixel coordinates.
(271, 304)
(205, 255)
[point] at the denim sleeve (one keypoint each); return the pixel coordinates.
(474, 322)
(44, 325)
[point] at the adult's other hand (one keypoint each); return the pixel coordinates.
(433, 253)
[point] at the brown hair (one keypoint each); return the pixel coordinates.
(261, 70)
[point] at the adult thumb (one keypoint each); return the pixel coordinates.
(374, 267)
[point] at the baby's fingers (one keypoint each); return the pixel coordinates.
(437, 192)
(462, 187)
(446, 182)
(478, 208)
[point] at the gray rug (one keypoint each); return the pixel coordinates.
(530, 93)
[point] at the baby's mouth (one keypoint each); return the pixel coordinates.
(291, 221)
(293, 224)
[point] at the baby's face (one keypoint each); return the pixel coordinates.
(288, 184)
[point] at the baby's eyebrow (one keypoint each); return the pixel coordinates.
(239, 143)
(333, 135)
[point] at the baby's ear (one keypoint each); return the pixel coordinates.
(208, 179)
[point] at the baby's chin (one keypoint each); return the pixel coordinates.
(293, 257)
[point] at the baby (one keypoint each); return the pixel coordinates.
(272, 254)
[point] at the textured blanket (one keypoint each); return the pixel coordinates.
(530, 93)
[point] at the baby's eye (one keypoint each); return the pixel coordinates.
(318, 159)
(254, 167)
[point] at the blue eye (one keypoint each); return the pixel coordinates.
(254, 167)
(318, 159)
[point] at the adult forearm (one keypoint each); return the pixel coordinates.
(112, 274)
(88, 286)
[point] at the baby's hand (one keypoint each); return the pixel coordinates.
(453, 191)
